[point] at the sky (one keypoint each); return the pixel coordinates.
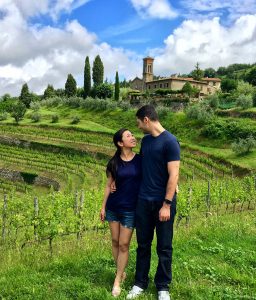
(43, 41)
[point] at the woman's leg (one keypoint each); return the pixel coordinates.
(115, 232)
(123, 253)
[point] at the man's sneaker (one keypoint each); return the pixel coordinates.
(164, 295)
(134, 292)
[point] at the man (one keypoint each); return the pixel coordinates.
(156, 206)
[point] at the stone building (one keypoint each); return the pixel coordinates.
(206, 86)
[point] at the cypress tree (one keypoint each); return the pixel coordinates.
(49, 91)
(97, 71)
(70, 86)
(87, 78)
(117, 87)
(25, 96)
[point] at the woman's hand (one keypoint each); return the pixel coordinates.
(102, 214)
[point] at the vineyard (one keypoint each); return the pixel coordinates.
(34, 213)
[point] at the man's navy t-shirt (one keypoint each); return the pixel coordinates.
(156, 152)
(128, 181)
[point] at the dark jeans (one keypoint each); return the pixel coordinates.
(147, 219)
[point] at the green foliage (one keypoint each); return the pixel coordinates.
(52, 102)
(25, 96)
(162, 112)
(197, 73)
(250, 76)
(228, 85)
(3, 116)
(49, 91)
(75, 120)
(228, 129)
(35, 106)
(55, 118)
(187, 89)
(163, 92)
(97, 71)
(36, 117)
(87, 78)
(199, 112)
(73, 102)
(117, 87)
(210, 73)
(5, 97)
(245, 101)
(244, 88)
(98, 104)
(213, 101)
(244, 146)
(70, 86)
(254, 98)
(18, 111)
(102, 91)
(125, 106)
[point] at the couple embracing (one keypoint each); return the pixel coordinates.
(145, 197)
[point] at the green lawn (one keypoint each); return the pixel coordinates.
(214, 258)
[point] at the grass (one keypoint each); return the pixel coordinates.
(213, 259)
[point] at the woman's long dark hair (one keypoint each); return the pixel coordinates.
(113, 163)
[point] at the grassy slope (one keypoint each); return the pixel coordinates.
(188, 131)
(208, 263)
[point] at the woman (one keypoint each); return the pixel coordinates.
(118, 208)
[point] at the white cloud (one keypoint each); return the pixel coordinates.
(209, 43)
(42, 55)
(160, 9)
(228, 10)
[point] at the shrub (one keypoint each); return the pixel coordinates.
(73, 101)
(18, 111)
(199, 112)
(55, 118)
(124, 106)
(52, 102)
(98, 104)
(36, 117)
(243, 146)
(254, 98)
(162, 112)
(75, 120)
(213, 101)
(245, 101)
(102, 91)
(35, 106)
(3, 116)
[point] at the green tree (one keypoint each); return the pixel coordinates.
(117, 87)
(6, 97)
(244, 88)
(97, 71)
(197, 73)
(187, 89)
(228, 85)
(210, 73)
(103, 91)
(250, 76)
(18, 111)
(87, 78)
(254, 98)
(245, 101)
(49, 91)
(70, 86)
(25, 96)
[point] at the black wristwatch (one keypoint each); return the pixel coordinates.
(167, 201)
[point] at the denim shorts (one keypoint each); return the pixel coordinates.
(126, 218)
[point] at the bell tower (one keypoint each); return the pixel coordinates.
(148, 69)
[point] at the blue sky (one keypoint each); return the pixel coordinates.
(42, 41)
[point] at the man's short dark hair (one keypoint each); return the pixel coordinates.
(147, 111)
